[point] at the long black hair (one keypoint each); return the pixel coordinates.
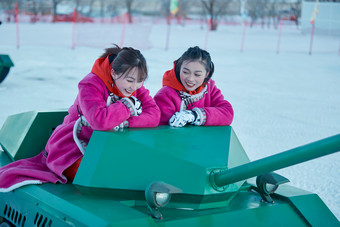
(125, 59)
(195, 54)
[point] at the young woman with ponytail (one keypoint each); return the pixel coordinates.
(110, 97)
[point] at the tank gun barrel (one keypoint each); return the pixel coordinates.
(278, 161)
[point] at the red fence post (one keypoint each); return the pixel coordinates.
(74, 20)
(168, 32)
(278, 42)
(207, 35)
(126, 15)
(243, 35)
(311, 39)
(16, 12)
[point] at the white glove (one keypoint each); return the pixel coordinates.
(121, 126)
(124, 124)
(111, 99)
(134, 105)
(180, 119)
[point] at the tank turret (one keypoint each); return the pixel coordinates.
(207, 164)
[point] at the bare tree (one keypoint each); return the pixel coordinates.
(8, 7)
(215, 8)
(296, 11)
(102, 8)
(54, 9)
(90, 6)
(183, 9)
(273, 13)
(256, 10)
(128, 4)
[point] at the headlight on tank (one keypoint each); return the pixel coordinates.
(158, 194)
(268, 183)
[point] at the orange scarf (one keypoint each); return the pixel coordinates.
(170, 80)
(102, 68)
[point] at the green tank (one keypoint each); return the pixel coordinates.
(163, 176)
(5, 65)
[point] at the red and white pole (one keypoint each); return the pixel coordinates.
(168, 33)
(16, 16)
(74, 20)
(311, 39)
(207, 35)
(312, 21)
(279, 40)
(122, 38)
(243, 35)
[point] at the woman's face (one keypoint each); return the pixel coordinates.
(192, 74)
(127, 84)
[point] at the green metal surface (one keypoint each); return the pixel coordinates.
(117, 167)
(64, 205)
(285, 159)
(5, 61)
(134, 158)
(309, 205)
(5, 65)
(24, 135)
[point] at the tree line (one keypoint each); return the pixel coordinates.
(265, 11)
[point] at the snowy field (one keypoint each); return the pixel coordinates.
(281, 101)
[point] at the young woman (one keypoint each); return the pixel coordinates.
(190, 96)
(111, 97)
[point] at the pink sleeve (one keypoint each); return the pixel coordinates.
(92, 101)
(150, 112)
(169, 103)
(219, 111)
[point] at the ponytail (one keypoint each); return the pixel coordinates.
(111, 51)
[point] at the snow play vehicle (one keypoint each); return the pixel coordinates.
(135, 177)
(5, 65)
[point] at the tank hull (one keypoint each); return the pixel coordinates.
(85, 204)
(64, 205)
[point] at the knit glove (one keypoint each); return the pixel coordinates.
(180, 119)
(122, 125)
(133, 104)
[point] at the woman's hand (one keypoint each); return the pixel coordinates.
(133, 104)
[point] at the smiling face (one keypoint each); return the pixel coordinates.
(127, 84)
(192, 74)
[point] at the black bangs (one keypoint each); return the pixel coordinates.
(141, 75)
(195, 54)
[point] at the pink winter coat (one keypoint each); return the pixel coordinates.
(210, 102)
(61, 151)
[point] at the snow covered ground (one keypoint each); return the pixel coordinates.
(281, 101)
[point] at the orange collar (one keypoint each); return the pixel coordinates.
(170, 80)
(102, 68)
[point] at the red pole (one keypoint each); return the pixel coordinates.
(311, 39)
(207, 35)
(168, 33)
(243, 35)
(17, 22)
(124, 27)
(74, 20)
(278, 42)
